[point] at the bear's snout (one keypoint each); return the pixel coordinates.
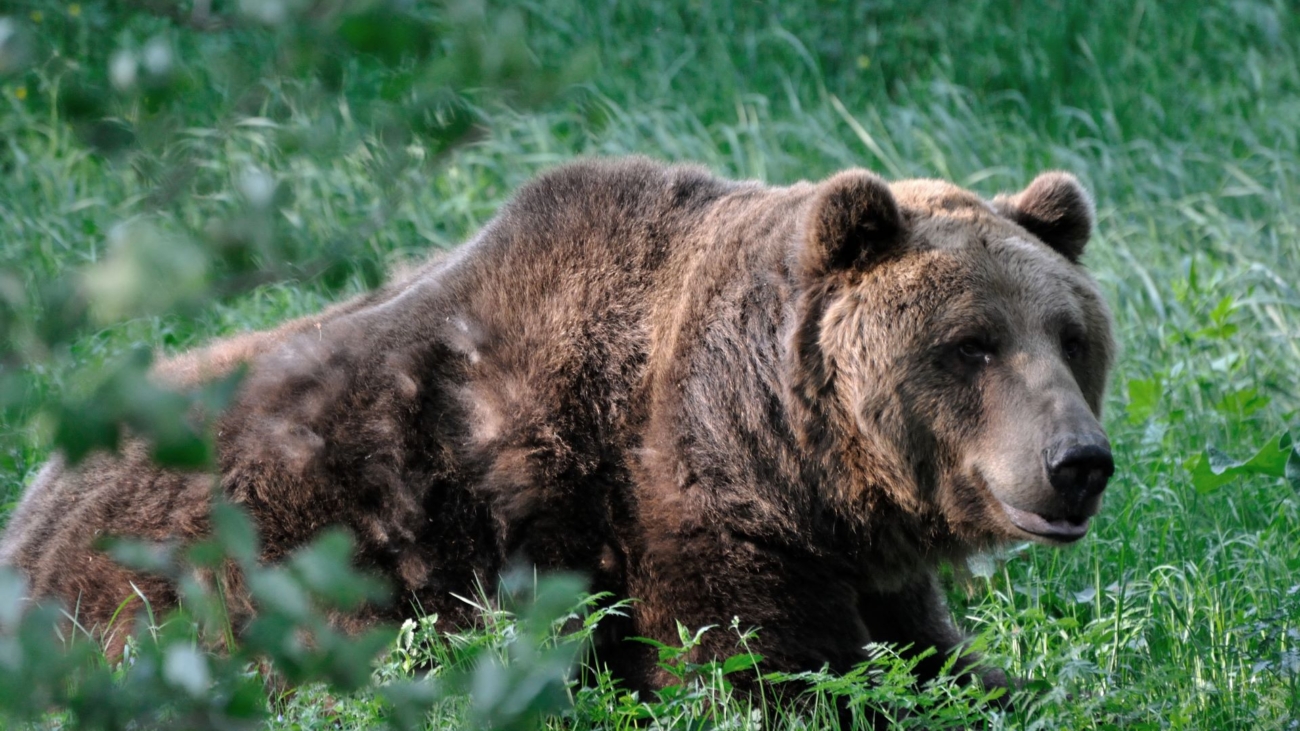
(1078, 467)
(1047, 473)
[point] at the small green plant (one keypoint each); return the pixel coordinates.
(883, 689)
(702, 693)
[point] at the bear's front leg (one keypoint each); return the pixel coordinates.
(803, 607)
(916, 617)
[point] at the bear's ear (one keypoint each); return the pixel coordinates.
(854, 221)
(1056, 209)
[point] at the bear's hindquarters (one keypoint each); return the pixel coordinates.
(55, 537)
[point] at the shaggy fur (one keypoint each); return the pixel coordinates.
(786, 405)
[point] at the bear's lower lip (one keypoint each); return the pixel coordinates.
(1057, 529)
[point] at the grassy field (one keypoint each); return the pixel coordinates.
(1180, 611)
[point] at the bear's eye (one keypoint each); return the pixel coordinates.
(1072, 346)
(975, 351)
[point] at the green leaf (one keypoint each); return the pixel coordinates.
(1292, 469)
(325, 568)
(12, 598)
(186, 668)
(408, 703)
(147, 556)
(146, 270)
(1143, 397)
(1221, 311)
(235, 532)
(248, 702)
(736, 663)
(1243, 402)
(128, 401)
(85, 428)
(391, 36)
(205, 554)
(16, 47)
(1278, 458)
(653, 643)
(276, 591)
(351, 660)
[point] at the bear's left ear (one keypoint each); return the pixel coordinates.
(1056, 209)
(853, 222)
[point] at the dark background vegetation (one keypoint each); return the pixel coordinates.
(172, 172)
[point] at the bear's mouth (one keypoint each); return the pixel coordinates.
(1064, 530)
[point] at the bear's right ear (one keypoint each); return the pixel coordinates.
(1056, 208)
(854, 221)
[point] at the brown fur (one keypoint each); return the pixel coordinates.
(724, 399)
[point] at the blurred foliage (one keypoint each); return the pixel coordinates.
(161, 89)
(169, 677)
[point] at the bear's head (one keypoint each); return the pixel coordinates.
(953, 354)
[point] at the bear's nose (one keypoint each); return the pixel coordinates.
(1079, 469)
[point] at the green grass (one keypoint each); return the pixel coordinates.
(1182, 609)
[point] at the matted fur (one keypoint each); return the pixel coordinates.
(724, 399)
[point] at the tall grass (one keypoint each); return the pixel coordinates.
(1182, 609)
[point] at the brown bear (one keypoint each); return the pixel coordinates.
(786, 405)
